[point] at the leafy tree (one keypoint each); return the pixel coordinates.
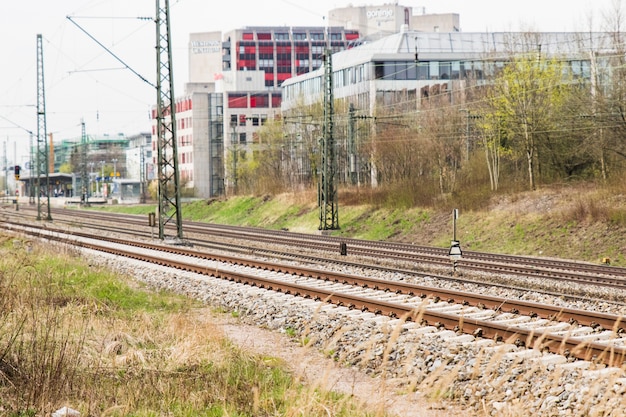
(607, 107)
(66, 168)
(493, 134)
(527, 95)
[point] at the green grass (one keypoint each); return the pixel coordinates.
(78, 281)
(556, 232)
(126, 209)
(582, 223)
(77, 335)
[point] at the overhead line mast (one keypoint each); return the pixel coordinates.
(42, 168)
(84, 176)
(167, 150)
(327, 191)
(168, 182)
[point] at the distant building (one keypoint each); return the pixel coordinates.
(404, 69)
(236, 78)
(231, 93)
(378, 21)
(99, 148)
(138, 158)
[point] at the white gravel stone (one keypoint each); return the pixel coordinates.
(480, 374)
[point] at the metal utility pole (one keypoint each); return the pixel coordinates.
(84, 176)
(233, 145)
(327, 192)
(42, 142)
(353, 168)
(142, 175)
(6, 168)
(167, 153)
(31, 188)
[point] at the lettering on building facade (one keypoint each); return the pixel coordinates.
(380, 14)
(206, 47)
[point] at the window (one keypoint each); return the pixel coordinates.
(317, 49)
(389, 70)
(242, 120)
(255, 120)
(434, 70)
(266, 64)
(456, 70)
(445, 70)
(266, 49)
(259, 100)
(263, 119)
(233, 119)
(276, 100)
(237, 100)
(422, 70)
(242, 138)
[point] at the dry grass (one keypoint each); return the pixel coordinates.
(70, 336)
(106, 350)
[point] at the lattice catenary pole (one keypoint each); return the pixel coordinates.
(327, 192)
(84, 175)
(42, 169)
(167, 154)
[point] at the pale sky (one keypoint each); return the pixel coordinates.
(84, 82)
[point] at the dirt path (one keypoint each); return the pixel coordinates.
(311, 366)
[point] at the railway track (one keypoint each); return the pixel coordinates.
(279, 250)
(584, 335)
(398, 253)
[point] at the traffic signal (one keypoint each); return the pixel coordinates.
(17, 172)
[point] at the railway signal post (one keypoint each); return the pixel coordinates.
(455, 252)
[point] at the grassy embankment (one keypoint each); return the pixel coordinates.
(582, 222)
(75, 335)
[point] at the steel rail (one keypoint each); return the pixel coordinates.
(497, 304)
(608, 354)
(478, 261)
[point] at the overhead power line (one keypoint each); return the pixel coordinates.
(111, 52)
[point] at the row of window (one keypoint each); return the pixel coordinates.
(258, 100)
(248, 54)
(242, 119)
(181, 106)
(409, 70)
(454, 70)
(245, 49)
(268, 64)
(301, 36)
(185, 140)
(184, 122)
(186, 174)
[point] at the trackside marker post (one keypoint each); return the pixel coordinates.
(455, 252)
